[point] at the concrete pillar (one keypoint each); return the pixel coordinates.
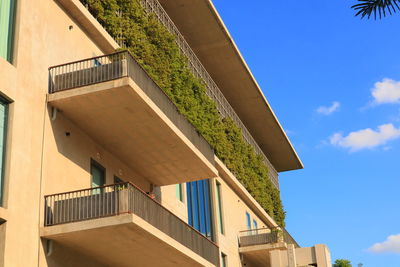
(291, 256)
(323, 256)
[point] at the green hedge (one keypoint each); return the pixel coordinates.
(156, 51)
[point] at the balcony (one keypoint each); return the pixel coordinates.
(116, 103)
(127, 226)
(255, 245)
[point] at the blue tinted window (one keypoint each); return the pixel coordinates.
(189, 203)
(202, 208)
(248, 221)
(255, 224)
(199, 207)
(195, 206)
(207, 205)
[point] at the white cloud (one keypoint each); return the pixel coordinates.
(329, 110)
(390, 245)
(366, 138)
(386, 91)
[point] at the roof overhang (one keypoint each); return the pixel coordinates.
(205, 32)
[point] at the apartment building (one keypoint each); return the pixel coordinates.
(98, 165)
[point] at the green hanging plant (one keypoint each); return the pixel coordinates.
(156, 51)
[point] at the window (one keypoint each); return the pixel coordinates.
(179, 191)
(255, 227)
(255, 224)
(219, 202)
(199, 207)
(248, 221)
(7, 14)
(3, 139)
(223, 260)
(98, 174)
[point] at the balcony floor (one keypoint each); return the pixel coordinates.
(158, 142)
(124, 240)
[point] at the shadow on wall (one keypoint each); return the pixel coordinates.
(79, 148)
(58, 255)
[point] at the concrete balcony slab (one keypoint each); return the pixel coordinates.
(123, 240)
(132, 118)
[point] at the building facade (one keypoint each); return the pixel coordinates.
(100, 168)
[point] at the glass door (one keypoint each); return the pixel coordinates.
(98, 174)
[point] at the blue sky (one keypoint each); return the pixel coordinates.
(311, 54)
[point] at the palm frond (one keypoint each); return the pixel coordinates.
(377, 8)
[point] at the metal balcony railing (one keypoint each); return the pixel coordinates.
(289, 239)
(88, 71)
(265, 236)
(200, 71)
(116, 199)
(118, 65)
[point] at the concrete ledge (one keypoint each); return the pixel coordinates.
(265, 247)
(122, 241)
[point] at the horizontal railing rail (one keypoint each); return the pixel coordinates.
(200, 71)
(289, 239)
(262, 236)
(116, 199)
(115, 66)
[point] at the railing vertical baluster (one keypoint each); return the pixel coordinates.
(62, 77)
(55, 209)
(111, 200)
(67, 207)
(88, 203)
(80, 72)
(96, 204)
(104, 202)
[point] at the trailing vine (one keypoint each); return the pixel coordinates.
(155, 49)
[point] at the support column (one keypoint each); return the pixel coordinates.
(323, 256)
(291, 254)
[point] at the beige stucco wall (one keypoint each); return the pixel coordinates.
(43, 39)
(67, 159)
(234, 216)
(171, 202)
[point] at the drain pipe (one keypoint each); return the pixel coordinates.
(54, 113)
